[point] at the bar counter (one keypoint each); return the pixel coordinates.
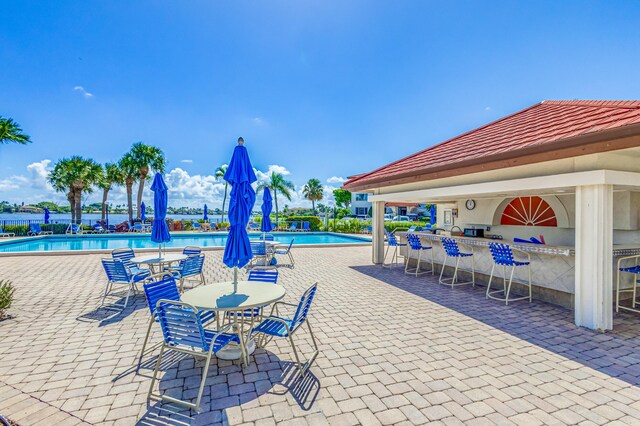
(552, 267)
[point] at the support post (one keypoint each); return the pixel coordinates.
(594, 257)
(377, 232)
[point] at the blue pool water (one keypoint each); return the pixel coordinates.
(113, 241)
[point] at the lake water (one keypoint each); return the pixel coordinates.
(92, 217)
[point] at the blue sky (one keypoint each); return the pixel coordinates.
(317, 88)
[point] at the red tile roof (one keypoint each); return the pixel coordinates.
(541, 126)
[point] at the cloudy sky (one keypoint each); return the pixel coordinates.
(317, 88)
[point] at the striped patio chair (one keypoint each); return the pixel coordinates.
(392, 241)
(191, 269)
(158, 287)
(118, 274)
(451, 249)
(277, 326)
(415, 245)
(502, 255)
(286, 252)
(183, 332)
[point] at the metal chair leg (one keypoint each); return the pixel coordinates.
(455, 272)
(146, 339)
(444, 265)
(490, 278)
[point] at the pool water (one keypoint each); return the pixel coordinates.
(114, 241)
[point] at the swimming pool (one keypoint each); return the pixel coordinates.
(141, 241)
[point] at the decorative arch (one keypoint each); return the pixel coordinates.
(529, 211)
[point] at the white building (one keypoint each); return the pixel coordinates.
(360, 204)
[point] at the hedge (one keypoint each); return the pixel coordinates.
(314, 222)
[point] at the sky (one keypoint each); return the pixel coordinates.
(318, 89)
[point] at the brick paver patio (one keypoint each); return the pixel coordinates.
(395, 350)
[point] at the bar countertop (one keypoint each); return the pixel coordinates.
(618, 249)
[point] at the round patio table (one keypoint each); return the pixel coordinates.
(152, 259)
(221, 298)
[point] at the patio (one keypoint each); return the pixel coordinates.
(394, 349)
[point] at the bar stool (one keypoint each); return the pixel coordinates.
(635, 270)
(451, 249)
(392, 241)
(415, 245)
(503, 256)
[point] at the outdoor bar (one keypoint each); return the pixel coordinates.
(559, 180)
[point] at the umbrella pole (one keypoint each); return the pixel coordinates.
(160, 251)
(235, 279)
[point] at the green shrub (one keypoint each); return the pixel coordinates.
(187, 225)
(19, 230)
(224, 225)
(6, 296)
(392, 226)
(314, 222)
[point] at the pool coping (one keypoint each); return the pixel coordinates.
(364, 243)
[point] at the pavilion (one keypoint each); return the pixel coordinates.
(569, 170)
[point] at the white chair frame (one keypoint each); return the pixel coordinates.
(453, 281)
(633, 290)
(416, 271)
(507, 288)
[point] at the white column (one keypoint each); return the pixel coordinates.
(377, 226)
(594, 257)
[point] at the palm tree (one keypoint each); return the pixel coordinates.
(277, 183)
(10, 131)
(313, 191)
(146, 158)
(130, 171)
(220, 172)
(112, 175)
(75, 175)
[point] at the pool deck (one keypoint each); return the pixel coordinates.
(395, 349)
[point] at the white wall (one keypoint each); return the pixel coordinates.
(626, 218)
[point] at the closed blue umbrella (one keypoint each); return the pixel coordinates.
(206, 213)
(240, 175)
(160, 230)
(47, 215)
(266, 211)
(432, 214)
(143, 211)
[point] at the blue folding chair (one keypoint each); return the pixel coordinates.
(502, 255)
(286, 252)
(635, 271)
(451, 249)
(306, 227)
(277, 326)
(293, 227)
(196, 226)
(415, 245)
(192, 251)
(392, 241)
(259, 250)
(262, 275)
(267, 237)
(190, 269)
(125, 255)
(183, 332)
(158, 287)
(118, 274)
(6, 234)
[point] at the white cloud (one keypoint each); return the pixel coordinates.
(258, 121)
(185, 189)
(487, 108)
(81, 89)
(186, 161)
(336, 179)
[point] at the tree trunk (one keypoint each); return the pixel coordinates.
(78, 202)
(224, 200)
(143, 176)
(129, 184)
(72, 203)
(275, 198)
(313, 206)
(105, 193)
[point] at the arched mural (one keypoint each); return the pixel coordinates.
(528, 211)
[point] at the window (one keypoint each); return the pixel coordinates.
(361, 211)
(362, 197)
(529, 211)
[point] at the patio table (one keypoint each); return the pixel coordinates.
(152, 259)
(220, 297)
